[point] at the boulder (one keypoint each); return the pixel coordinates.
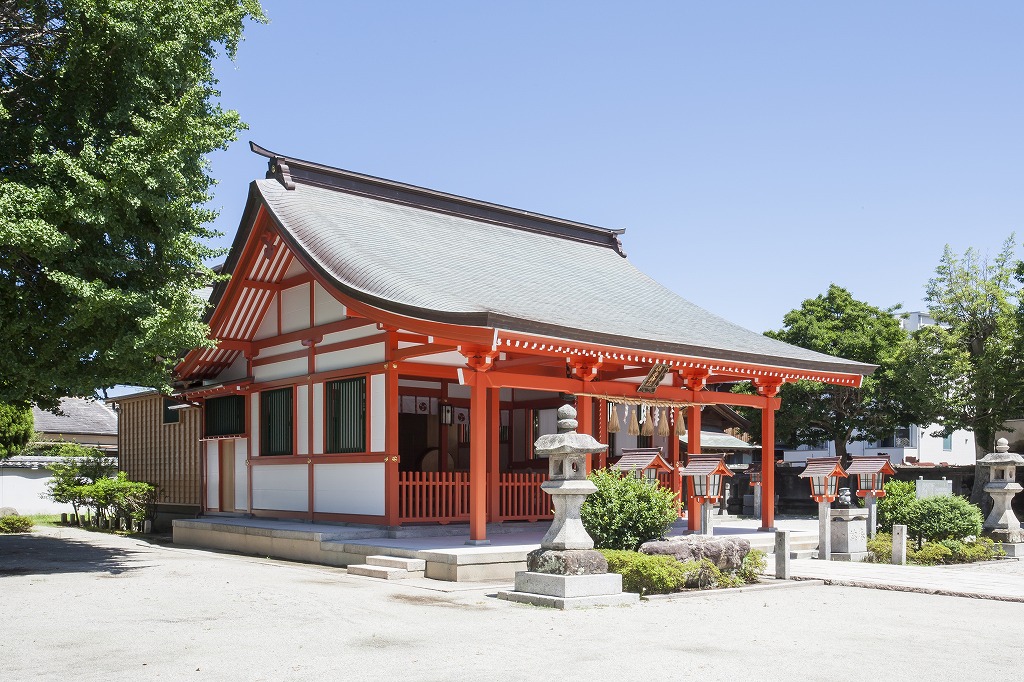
(566, 562)
(8, 511)
(726, 553)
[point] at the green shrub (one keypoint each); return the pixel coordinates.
(15, 524)
(626, 512)
(646, 573)
(880, 549)
(894, 507)
(946, 517)
(930, 554)
(753, 566)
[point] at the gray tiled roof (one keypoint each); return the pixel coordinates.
(438, 266)
(79, 416)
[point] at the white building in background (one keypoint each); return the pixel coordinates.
(907, 445)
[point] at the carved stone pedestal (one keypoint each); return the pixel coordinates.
(849, 534)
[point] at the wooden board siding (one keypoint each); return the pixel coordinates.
(164, 455)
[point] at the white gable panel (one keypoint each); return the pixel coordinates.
(451, 359)
(295, 308)
(294, 269)
(237, 370)
(268, 327)
(325, 307)
(351, 334)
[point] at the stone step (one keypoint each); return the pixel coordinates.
(803, 554)
(397, 562)
(383, 572)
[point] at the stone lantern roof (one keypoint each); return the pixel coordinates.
(1001, 456)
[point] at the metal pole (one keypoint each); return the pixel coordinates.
(870, 501)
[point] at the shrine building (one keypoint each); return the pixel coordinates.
(388, 354)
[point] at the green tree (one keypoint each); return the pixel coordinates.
(16, 425)
(812, 412)
(107, 112)
(78, 468)
(971, 364)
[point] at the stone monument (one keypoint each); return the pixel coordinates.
(567, 572)
(1002, 525)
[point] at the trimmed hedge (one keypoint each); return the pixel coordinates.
(662, 574)
(626, 512)
(15, 524)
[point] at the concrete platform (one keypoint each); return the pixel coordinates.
(443, 549)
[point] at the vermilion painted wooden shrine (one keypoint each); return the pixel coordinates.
(388, 354)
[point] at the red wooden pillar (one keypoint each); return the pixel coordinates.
(391, 433)
(602, 431)
(768, 464)
(494, 454)
(585, 421)
(442, 433)
(672, 452)
(477, 460)
(692, 448)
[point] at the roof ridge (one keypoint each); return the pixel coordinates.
(289, 171)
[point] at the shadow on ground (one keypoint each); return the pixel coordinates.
(44, 555)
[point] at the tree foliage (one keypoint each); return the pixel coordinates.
(77, 468)
(838, 324)
(107, 112)
(970, 368)
(16, 424)
(626, 512)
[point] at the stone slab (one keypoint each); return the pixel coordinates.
(383, 572)
(592, 585)
(1013, 549)
(850, 556)
(566, 603)
(397, 562)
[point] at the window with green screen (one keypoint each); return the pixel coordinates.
(276, 424)
(224, 416)
(346, 415)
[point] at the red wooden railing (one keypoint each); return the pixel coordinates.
(522, 499)
(665, 479)
(433, 496)
(444, 497)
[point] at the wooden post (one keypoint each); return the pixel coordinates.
(672, 453)
(477, 461)
(585, 420)
(493, 454)
(602, 431)
(692, 448)
(768, 464)
(442, 432)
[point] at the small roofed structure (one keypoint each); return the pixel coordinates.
(824, 474)
(870, 471)
(705, 472)
(643, 463)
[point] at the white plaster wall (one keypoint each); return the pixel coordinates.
(352, 357)
(281, 370)
(212, 475)
(356, 488)
(295, 308)
(271, 351)
(22, 489)
(241, 474)
(378, 413)
(237, 370)
(318, 419)
(352, 334)
(294, 269)
(280, 488)
(268, 326)
(325, 307)
(961, 452)
(302, 420)
(254, 425)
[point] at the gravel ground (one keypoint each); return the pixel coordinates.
(77, 605)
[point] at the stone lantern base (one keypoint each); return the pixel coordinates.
(1012, 541)
(568, 579)
(849, 530)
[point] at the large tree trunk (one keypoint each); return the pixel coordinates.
(982, 446)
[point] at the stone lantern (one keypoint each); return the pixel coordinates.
(705, 473)
(567, 572)
(1002, 525)
(823, 473)
(871, 471)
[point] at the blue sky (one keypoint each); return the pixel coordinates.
(754, 151)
